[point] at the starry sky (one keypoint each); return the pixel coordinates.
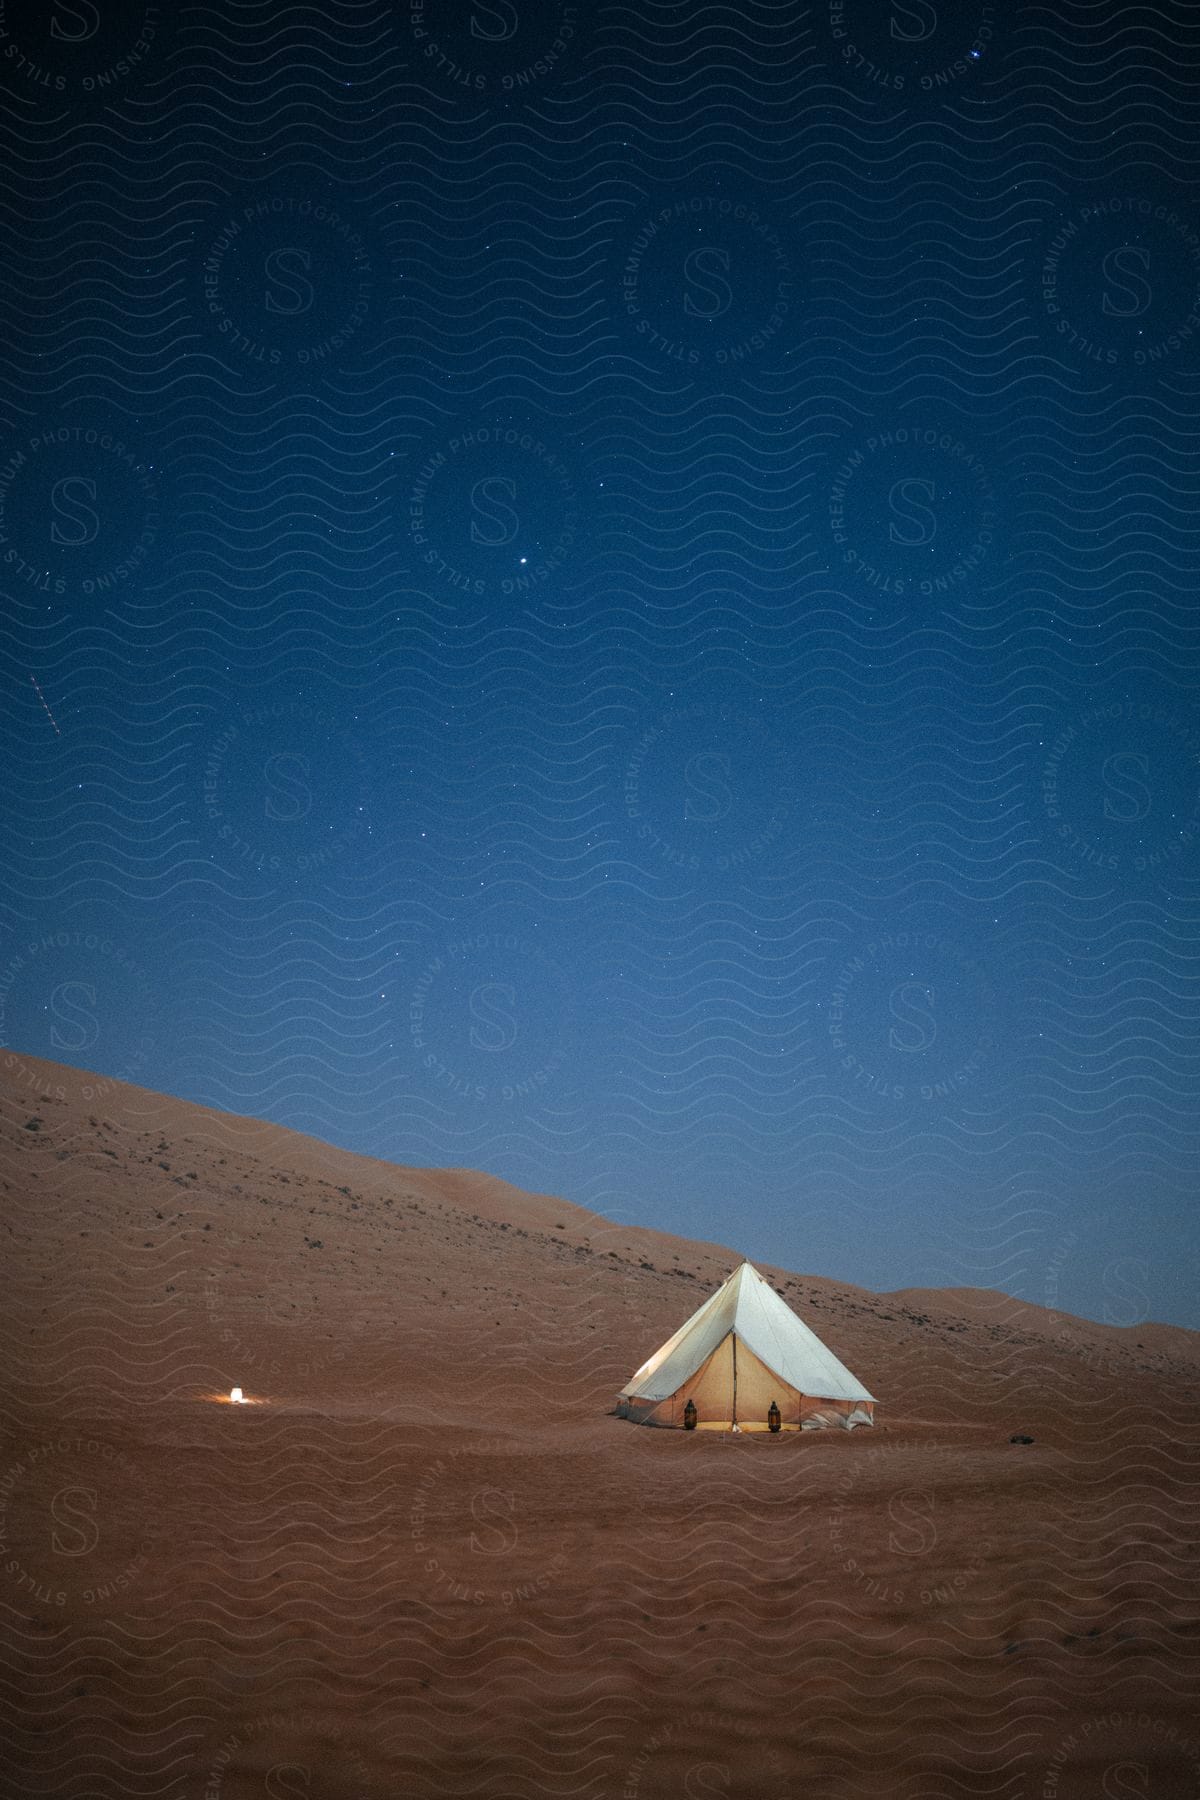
(610, 595)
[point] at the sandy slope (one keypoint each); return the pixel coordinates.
(428, 1561)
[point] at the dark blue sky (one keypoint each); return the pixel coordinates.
(612, 598)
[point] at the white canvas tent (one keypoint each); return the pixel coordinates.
(742, 1349)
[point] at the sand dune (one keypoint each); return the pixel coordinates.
(428, 1561)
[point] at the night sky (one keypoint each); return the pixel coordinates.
(610, 595)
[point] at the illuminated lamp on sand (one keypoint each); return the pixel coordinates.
(237, 1397)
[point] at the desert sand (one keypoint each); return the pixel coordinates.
(428, 1560)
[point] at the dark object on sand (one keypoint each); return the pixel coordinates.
(1020, 1438)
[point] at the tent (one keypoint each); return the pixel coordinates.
(742, 1349)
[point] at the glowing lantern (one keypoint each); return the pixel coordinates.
(689, 1416)
(774, 1420)
(237, 1396)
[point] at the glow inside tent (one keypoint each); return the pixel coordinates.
(742, 1349)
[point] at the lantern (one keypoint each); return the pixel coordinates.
(237, 1397)
(774, 1420)
(689, 1416)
